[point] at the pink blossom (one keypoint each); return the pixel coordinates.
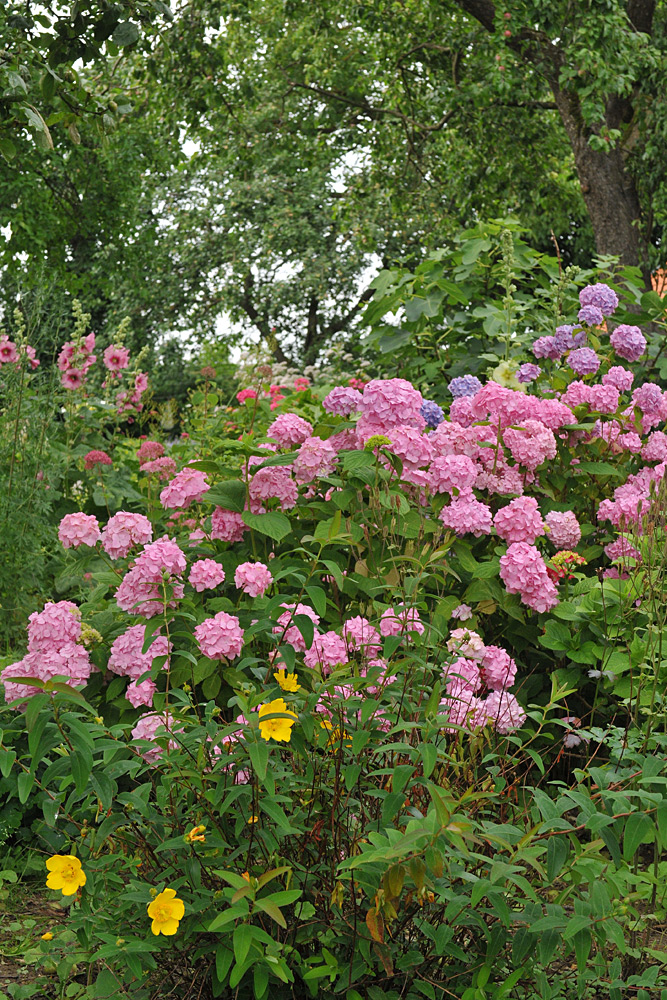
(14, 690)
(519, 521)
(619, 377)
(655, 449)
(147, 728)
(220, 637)
(93, 458)
(123, 530)
(73, 378)
(462, 708)
(141, 693)
(328, 651)
(622, 548)
(163, 467)
(79, 529)
(524, 572)
(504, 711)
(56, 623)
(288, 631)
(8, 351)
(315, 458)
(206, 574)
(399, 620)
(392, 401)
(530, 445)
(604, 398)
(465, 642)
(342, 401)
(126, 657)
(648, 398)
(289, 429)
(116, 357)
(360, 635)
(149, 450)
(31, 355)
(188, 486)
(69, 660)
(498, 668)
(463, 673)
(467, 515)
(449, 473)
(142, 590)
(253, 578)
(460, 411)
(463, 612)
(162, 556)
(564, 530)
(412, 447)
(274, 483)
(227, 525)
(628, 342)
(244, 394)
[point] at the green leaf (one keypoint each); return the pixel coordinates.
(275, 525)
(273, 911)
(7, 148)
(230, 495)
(639, 829)
(242, 940)
(558, 848)
(126, 33)
(429, 755)
(24, 783)
(319, 599)
(259, 755)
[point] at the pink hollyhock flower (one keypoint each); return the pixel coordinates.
(220, 637)
(148, 450)
(519, 521)
(564, 530)
(253, 578)
(8, 351)
(628, 342)
(360, 635)
(498, 668)
(504, 711)
(452, 472)
(79, 529)
(148, 727)
(274, 483)
(123, 530)
(463, 673)
(93, 458)
(342, 401)
(289, 429)
(524, 572)
(141, 693)
(206, 574)
(188, 486)
(116, 357)
(315, 458)
(465, 642)
(398, 620)
(466, 515)
(288, 631)
(126, 657)
(227, 525)
(619, 377)
(73, 378)
(327, 652)
(163, 467)
(31, 355)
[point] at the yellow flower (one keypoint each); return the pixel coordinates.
(196, 834)
(253, 819)
(48, 936)
(65, 873)
(165, 911)
(277, 729)
(288, 682)
(334, 734)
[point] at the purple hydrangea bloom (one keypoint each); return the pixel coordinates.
(464, 385)
(528, 372)
(545, 347)
(583, 361)
(628, 342)
(590, 315)
(566, 339)
(601, 296)
(432, 413)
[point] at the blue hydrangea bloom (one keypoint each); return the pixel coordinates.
(464, 385)
(432, 413)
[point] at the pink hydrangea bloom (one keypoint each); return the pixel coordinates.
(655, 449)
(227, 525)
(124, 530)
(604, 398)
(289, 429)
(141, 693)
(163, 468)
(452, 472)
(465, 642)
(628, 342)
(79, 529)
(116, 357)
(498, 668)
(69, 660)
(56, 623)
(504, 711)
(648, 398)
(392, 401)
(360, 635)
(95, 457)
(530, 445)
(328, 651)
(463, 612)
(463, 708)
(398, 620)
(146, 728)
(142, 590)
(412, 447)
(619, 377)
(274, 483)
(315, 458)
(564, 530)
(466, 515)
(206, 574)
(463, 673)
(161, 556)
(126, 657)
(253, 578)
(188, 486)
(220, 637)
(14, 690)
(524, 572)
(288, 631)
(460, 411)
(150, 450)
(244, 394)
(622, 548)
(342, 401)
(519, 521)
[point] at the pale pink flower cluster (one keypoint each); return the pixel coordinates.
(96, 457)
(126, 657)
(519, 521)
(462, 612)
(315, 458)
(227, 525)
(466, 515)
(149, 450)
(147, 727)
(530, 445)
(206, 574)
(401, 621)
(388, 403)
(123, 530)
(412, 447)
(479, 666)
(632, 500)
(288, 631)
(273, 483)
(360, 635)
(163, 467)
(622, 549)
(220, 637)
(289, 429)
(342, 401)
(466, 643)
(74, 361)
(453, 473)
(253, 578)
(648, 397)
(524, 572)
(498, 668)
(619, 377)
(79, 529)
(142, 588)
(601, 398)
(327, 652)
(655, 449)
(564, 529)
(187, 487)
